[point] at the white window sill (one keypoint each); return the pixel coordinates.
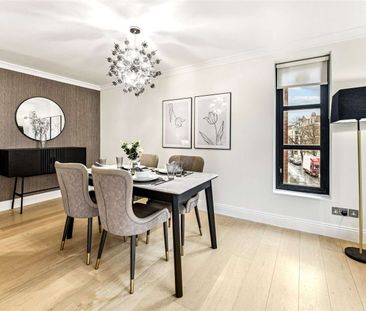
(302, 194)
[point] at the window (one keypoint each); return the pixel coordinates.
(302, 125)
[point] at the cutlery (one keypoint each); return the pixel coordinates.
(161, 181)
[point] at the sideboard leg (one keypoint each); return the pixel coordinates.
(21, 196)
(14, 191)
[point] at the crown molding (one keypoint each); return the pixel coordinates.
(295, 46)
(47, 75)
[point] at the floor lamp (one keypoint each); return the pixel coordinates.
(350, 104)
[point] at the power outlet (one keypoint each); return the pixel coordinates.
(353, 213)
(339, 211)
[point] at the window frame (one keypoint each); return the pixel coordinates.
(324, 139)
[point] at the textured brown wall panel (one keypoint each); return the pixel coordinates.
(81, 107)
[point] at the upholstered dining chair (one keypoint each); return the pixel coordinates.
(194, 164)
(121, 217)
(149, 160)
(73, 180)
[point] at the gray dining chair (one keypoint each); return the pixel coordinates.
(149, 160)
(194, 164)
(121, 217)
(73, 180)
(152, 161)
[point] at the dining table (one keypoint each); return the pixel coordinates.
(176, 191)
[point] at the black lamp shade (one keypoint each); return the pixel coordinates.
(349, 104)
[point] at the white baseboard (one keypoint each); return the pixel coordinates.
(289, 222)
(32, 199)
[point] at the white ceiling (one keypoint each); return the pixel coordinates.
(72, 38)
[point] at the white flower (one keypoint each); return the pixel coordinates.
(129, 146)
(139, 150)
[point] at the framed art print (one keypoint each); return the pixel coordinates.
(212, 121)
(177, 123)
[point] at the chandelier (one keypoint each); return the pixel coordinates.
(133, 67)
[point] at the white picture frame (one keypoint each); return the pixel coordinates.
(177, 123)
(212, 121)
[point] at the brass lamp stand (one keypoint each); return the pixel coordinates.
(358, 253)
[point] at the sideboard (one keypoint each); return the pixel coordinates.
(26, 162)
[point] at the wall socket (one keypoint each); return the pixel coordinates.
(353, 213)
(339, 211)
(344, 212)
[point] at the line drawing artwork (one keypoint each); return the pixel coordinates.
(212, 115)
(212, 118)
(178, 121)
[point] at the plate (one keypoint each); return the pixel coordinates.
(147, 178)
(127, 166)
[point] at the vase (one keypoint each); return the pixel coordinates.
(42, 141)
(133, 165)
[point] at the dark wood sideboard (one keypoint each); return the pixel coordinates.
(26, 162)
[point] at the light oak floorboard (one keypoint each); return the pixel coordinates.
(342, 288)
(313, 288)
(284, 291)
(253, 292)
(256, 267)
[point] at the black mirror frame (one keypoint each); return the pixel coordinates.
(16, 112)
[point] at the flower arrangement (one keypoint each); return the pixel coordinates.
(132, 149)
(40, 126)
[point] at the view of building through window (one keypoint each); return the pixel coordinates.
(301, 127)
(301, 167)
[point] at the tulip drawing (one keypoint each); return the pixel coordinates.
(212, 119)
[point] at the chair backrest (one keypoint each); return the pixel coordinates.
(113, 189)
(149, 160)
(73, 180)
(190, 163)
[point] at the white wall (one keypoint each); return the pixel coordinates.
(245, 186)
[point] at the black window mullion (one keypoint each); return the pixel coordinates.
(324, 138)
(301, 107)
(302, 147)
(279, 136)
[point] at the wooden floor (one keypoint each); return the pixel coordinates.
(256, 267)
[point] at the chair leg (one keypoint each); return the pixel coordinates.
(65, 233)
(132, 263)
(89, 240)
(99, 225)
(147, 236)
(182, 225)
(101, 247)
(169, 222)
(166, 243)
(198, 219)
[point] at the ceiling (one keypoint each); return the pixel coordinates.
(72, 38)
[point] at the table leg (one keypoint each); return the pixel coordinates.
(70, 228)
(211, 215)
(176, 248)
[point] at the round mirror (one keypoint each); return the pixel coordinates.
(40, 118)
